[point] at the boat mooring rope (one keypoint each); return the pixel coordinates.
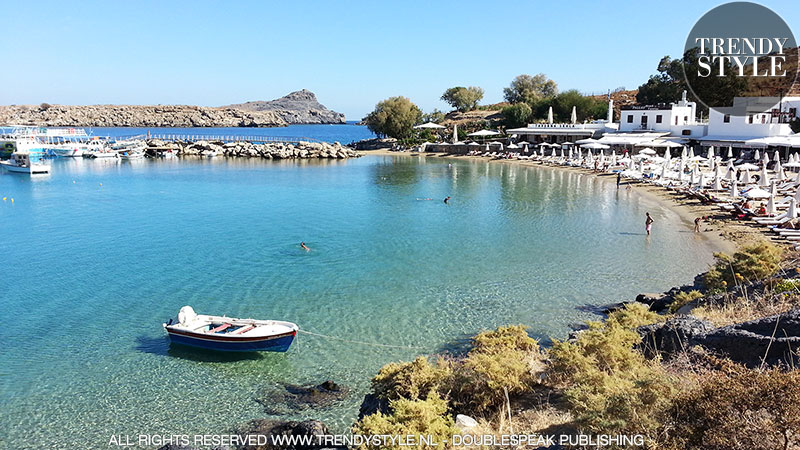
(372, 344)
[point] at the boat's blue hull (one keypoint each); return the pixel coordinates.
(227, 344)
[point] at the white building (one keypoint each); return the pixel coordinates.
(566, 132)
(677, 119)
(751, 118)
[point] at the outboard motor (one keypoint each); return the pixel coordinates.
(186, 315)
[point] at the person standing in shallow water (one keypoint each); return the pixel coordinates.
(619, 177)
(648, 223)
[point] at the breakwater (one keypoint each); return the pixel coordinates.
(267, 150)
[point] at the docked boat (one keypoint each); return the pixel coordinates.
(230, 334)
(103, 153)
(26, 162)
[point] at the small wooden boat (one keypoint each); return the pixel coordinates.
(230, 334)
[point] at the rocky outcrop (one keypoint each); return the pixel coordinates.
(136, 116)
(270, 150)
(299, 107)
(672, 336)
(774, 339)
(266, 427)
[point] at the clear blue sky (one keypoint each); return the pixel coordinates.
(352, 54)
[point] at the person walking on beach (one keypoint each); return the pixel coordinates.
(303, 245)
(648, 223)
(619, 178)
(447, 200)
(697, 224)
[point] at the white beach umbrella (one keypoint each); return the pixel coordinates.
(730, 151)
(647, 151)
(756, 193)
(429, 126)
(455, 133)
(776, 156)
(745, 176)
(747, 166)
(691, 153)
(734, 189)
(574, 116)
(550, 115)
(701, 180)
(562, 152)
(717, 184)
(765, 158)
(684, 153)
(710, 152)
(667, 154)
(757, 156)
(771, 209)
(731, 175)
(681, 169)
(764, 178)
(780, 175)
(553, 153)
(797, 195)
(792, 212)
(663, 171)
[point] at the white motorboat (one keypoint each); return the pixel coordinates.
(230, 334)
(104, 153)
(26, 162)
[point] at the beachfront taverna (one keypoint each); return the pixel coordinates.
(750, 121)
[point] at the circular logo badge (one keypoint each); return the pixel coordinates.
(740, 49)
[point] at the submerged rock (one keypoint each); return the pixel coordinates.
(267, 427)
(774, 339)
(293, 397)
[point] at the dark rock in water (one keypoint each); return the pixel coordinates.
(774, 339)
(267, 427)
(293, 397)
(656, 302)
(371, 405)
(673, 336)
(187, 447)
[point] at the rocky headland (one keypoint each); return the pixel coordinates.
(299, 107)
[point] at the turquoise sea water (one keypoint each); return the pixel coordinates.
(99, 253)
(342, 133)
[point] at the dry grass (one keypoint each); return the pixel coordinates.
(744, 310)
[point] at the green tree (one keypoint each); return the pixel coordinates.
(530, 89)
(670, 82)
(586, 108)
(795, 124)
(434, 116)
(516, 115)
(463, 98)
(394, 117)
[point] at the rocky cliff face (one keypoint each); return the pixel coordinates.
(297, 107)
(136, 116)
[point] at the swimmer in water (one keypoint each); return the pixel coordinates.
(447, 200)
(303, 245)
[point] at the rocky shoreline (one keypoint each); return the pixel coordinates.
(300, 107)
(269, 150)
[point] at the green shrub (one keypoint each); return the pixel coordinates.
(634, 315)
(739, 408)
(609, 386)
(411, 380)
(683, 298)
(500, 361)
(787, 287)
(751, 263)
(417, 417)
